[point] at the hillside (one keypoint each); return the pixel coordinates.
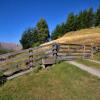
(61, 82)
(4, 51)
(10, 46)
(84, 36)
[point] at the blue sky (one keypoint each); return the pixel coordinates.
(17, 15)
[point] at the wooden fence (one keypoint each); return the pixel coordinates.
(72, 51)
(21, 60)
(25, 59)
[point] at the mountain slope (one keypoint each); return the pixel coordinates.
(10, 46)
(84, 36)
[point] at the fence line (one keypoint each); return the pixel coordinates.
(33, 56)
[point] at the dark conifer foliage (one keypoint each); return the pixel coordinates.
(97, 17)
(85, 19)
(32, 37)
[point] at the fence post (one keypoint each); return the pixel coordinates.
(30, 58)
(92, 51)
(83, 51)
(68, 50)
(55, 51)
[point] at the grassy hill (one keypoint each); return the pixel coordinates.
(4, 51)
(10, 46)
(84, 36)
(61, 82)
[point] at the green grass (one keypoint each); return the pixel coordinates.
(89, 63)
(1, 73)
(61, 82)
(97, 56)
(3, 51)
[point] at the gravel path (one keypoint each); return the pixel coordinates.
(95, 61)
(90, 70)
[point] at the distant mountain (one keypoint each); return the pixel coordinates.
(10, 46)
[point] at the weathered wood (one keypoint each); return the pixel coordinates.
(55, 50)
(84, 53)
(48, 61)
(72, 54)
(30, 58)
(74, 50)
(91, 51)
(72, 44)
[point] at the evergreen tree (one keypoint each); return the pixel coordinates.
(35, 36)
(60, 30)
(29, 37)
(43, 31)
(83, 19)
(90, 18)
(70, 24)
(76, 22)
(97, 17)
(63, 28)
(57, 32)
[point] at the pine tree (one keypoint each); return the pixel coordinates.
(43, 31)
(83, 19)
(90, 18)
(26, 39)
(59, 31)
(29, 38)
(97, 17)
(70, 22)
(76, 22)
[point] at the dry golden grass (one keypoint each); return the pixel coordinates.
(84, 36)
